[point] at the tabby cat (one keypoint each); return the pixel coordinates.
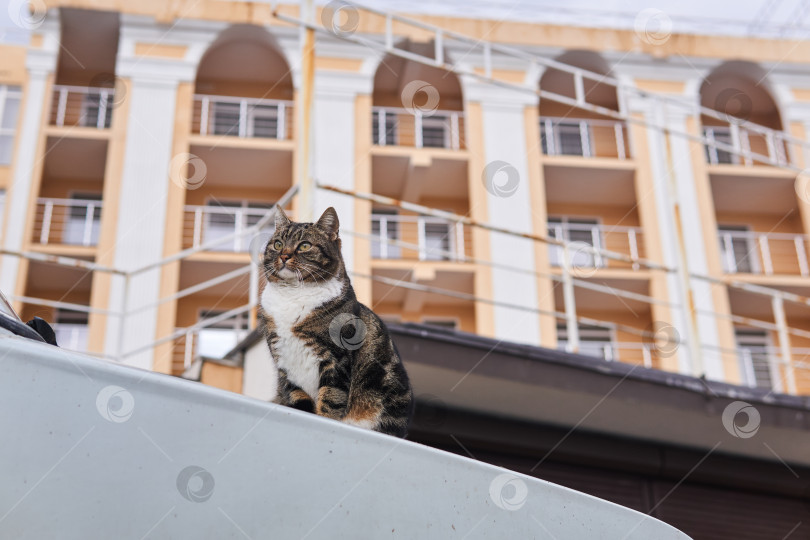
(334, 355)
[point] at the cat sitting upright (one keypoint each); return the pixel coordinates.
(334, 355)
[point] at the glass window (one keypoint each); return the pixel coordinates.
(715, 155)
(71, 329)
(593, 340)
(737, 249)
(753, 349)
(10, 99)
(226, 118)
(389, 130)
(218, 339)
(437, 241)
(83, 224)
(263, 121)
(391, 225)
(226, 218)
(436, 131)
(582, 230)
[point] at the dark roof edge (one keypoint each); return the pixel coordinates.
(708, 388)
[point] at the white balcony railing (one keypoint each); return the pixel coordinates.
(392, 126)
(243, 117)
(763, 253)
(432, 238)
(612, 351)
(82, 106)
(592, 240)
(583, 137)
(67, 221)
(742, 142)
(205, 224)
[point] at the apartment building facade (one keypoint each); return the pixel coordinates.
(630, 196)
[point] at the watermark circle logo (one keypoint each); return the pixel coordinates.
(733, 412)
(420, 97)
(258, 245)
(195, 484)
(340, 18)
(501, 179)
(187, 171)
(582, 259)
(734, 104)
(347, 331)
(115, 404)
(663, 338)
(653, 26)
(508, 492)
(113, 82)
(27, 14)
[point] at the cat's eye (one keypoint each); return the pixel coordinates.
(277, 245)
(304, 246)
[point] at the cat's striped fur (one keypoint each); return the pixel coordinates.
(334, 355)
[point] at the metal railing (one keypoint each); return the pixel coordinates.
(82, 106)
(243, 117)
(392, 126)
(583, 137)
(632, 352)
(67, 221)
(435, 239)
(744, 143)
(589, 241)
(206, 224)
(753, 252)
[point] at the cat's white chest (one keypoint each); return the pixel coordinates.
(288, 306)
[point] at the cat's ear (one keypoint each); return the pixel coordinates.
(329, 223)
(281, 218)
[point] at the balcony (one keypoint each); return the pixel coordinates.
(583, 137)
(242, 117)
(750, 252)
(393, 126)
(204, 224)
(589, 238)
(422, 238)
(75, 222)
(82, 106)
(743, 140)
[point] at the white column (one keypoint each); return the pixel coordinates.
(509, 204)
(333, 158)
(144, 188)
(40, 63)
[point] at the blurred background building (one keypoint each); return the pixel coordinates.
(560, 208)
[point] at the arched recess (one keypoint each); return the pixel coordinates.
(572, 130)
(245, 61)
(415, 104)
(739, 91)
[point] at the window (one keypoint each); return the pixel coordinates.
(443, 323)
(380, 220)
(225, 218)
(71, 329)
(567, 141)
(218, 339)
(715, 155)
(93, 105)
(389, 129)
(83, 220)
(226, 118)
(438, 241)
(756, 362)
(10, 99)
(584, 231)
(737, 249)
(436, 131)
(593, 340)
(263, 121)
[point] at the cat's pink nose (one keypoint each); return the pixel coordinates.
(284, 257)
